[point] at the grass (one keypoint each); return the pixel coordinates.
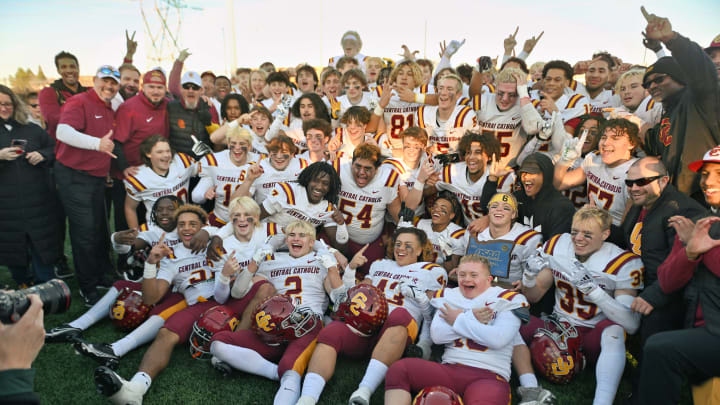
(64, 377)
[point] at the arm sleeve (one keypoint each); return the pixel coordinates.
(523, 55)
(274, 129)
(617, 309)
(496, 335)
(677, 270)
(74, 138)
(121, 162)
(222, 288)
(198, 194)
(442, 64)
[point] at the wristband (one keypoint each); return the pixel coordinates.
(529, 282)
(150, 271)
(379, 110)
(419, 186)
(420, 98)
(522, 90)
(223, 279)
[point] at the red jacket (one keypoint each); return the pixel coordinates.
(51, 100)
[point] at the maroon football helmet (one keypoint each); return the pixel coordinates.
(556, 350)
(437, 395)
(364, 310)
(278, 320)
(212, 321)
(129, 311)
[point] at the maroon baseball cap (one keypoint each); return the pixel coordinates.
(715, 44)
(711, 156)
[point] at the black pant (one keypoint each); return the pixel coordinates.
(671, 356)
(83, 198)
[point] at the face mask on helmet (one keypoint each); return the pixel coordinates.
(129, 311)
(364, 311)
(216, 319)
(556, 350)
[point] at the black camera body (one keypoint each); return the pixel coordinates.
(447, 158)
(55, 296)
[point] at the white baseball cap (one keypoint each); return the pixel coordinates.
(191, 77)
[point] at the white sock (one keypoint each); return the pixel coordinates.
(528, 380)
(610, 365)
(374, 375)
(289, 391)
(143, 379)
(139, 336)
(246, 360)
(313, 386)
(97, 312)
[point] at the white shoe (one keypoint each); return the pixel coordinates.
(361, 396)
(118, 390)
(306, 400)
(535, 396)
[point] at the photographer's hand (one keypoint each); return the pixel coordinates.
(23, 340)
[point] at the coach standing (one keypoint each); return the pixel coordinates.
(83, 157)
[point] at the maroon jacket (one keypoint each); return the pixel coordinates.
(51, 100)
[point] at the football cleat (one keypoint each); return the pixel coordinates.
(118, 390)
(535, 396)
(100, 352)
(63, 334)
(223, 368)
(361, 396)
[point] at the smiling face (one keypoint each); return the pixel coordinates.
(473, 279)
(363, 171)
(154, 92)
(243, 223)
(306, 81)
(259, 123)
(278, 89)
(160, 157)
(331, 86)
(233, 110)
(191, 95)
(353, 89)
(129, 82)
(501, 214)
(307, 109)
(372, 70)
(645, 195)
(405, 78)
(280, 159)
(6, 106)
(506, 96)
(710, 183)
(615, 147)
(318, 187)
(448, 93)
(238, 149)
(316, 140)
(188, 224)
(164, 215)
(476, 159)
(663, 90)
(597, 75)
(591, 126)
(106, 88)
(412, 149)
(426, 73)
(632, 92)
(442, 213)
(406, 249)
(68, 70)
(554, 83)
(208, 85)
(299, 243)
(532, 183)
(222, 88)
(355, 128)
(587, 237)
(257, 83)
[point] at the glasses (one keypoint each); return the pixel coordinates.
(108, 70)
(190, 86)
(641, 182)
(656, 80)
(6, 105)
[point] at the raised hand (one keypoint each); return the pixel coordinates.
(359, 259)
(530, 43)
(572, 148)
(427, 170)
(451, 49)
(159, 251)
(386, 94)
(510, 42)
(404, 93)
(106, 144)
(683, 227)
(231, 265)
(254, 172)
(184, 55)
(130, 44)
(498, 170)
(658, 28)
(199, 241)
(700, 241)
(651, 44)
(407, 54)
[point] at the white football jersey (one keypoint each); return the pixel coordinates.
(578, 194)
(226, 177)
(648, 111)
(455, 234)
(445, 135)
(611, 267)
(464, 350)
(269, 102)
(192, 275)
(302, 279)
(147, 186)
(292, 127)
(288, 202)
(606, 185)
(408, 177)
(505, 125)
(398, 116)
(364, 208)
(244, 250)
(368, 101)
(569, 105)
(263, 185)
(347, 148)
(454, 178)
(152, 234)
(606, 99)
(385, 274)
(525, 244)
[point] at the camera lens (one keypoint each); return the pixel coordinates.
(55, 296)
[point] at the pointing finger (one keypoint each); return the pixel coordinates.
(583, 137)
(539, 36)
(516, 31)
(645, 13)
(361, 251)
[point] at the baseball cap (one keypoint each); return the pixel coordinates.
(715, 44)
(154, 76)
(711, 156)
(530, 165)
(191, 77)
(108, 71)
(207, 73)
(669, 66)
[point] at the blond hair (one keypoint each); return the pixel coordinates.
(247, 205)
(599, 215)
(239, 133)
(507, 75)
(537, 66)
(301, 226)
(627, 75)
(414, 68)
(455, 77)
(476, 259)
(374, 59)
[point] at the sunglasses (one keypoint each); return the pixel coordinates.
(641, 182)
(656, 80)
(190, 86)
(107, 70)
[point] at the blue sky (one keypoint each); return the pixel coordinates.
(290, 32)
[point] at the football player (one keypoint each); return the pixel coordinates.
(368, 191)
(404, 279)
(591, 124)
(414, 158)
(351, 44)
(303, 276)
(595, 283)
(191, 275)
(306, 107)
(373, 65)
(317, 133)
(219, 173)
(478, 347)
(354, 83)
(261, 177)
(280, 96)
(604, 171)
(163, 173)
(466, 179)
(557, 75)
(353, 132)
(446, 123)
(596, 79)
(635, 99)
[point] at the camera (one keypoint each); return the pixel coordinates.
(54, 294)
(447, 158)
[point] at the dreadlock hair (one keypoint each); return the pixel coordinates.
(176, 203)
(454, 203)
(427, 251)
(316, 169)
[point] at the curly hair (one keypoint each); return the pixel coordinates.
(487, 141)
(622, 126)
(357, 113)
(244, 106)
(195, 209)
(558, 64)
(313, 171)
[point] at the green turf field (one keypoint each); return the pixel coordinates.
(64, 377)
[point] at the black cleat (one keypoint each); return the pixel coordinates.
(413, 351)
(63, 334)
(61, 268)
(100, 352)
(117, 389)
(90, 298)
(222, 367)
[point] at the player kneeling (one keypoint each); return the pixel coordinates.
(286, 326)
(404, 282)
(478, 341)
(595, 283)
